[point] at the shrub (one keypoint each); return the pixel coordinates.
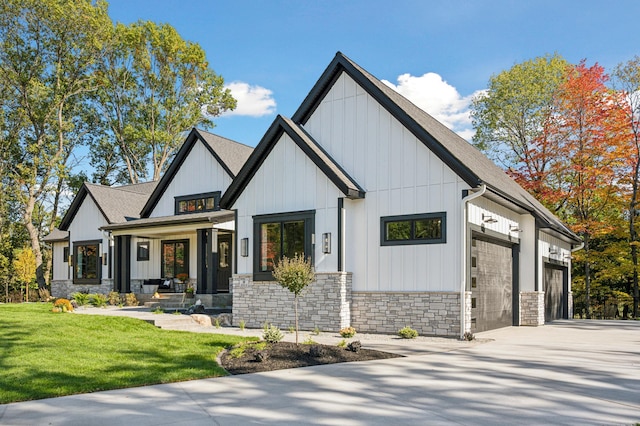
(260, 346)
(347, 332)
(354, 346)
(342, 343)
(316, 331)
(114, 298)
(158, 310)
(241, 324)
(468, 336)
(237, 351)
(130, 300)
(294, 274)
(309, 341)
(63, 304)
(216, 323)
(80, 298)
(407, 333)
(272, 334)
(98, 300)
(44, 295)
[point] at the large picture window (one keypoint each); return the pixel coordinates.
(427, 228)
(198, 203)
(175, 258)
(86, 268)
(279, 235)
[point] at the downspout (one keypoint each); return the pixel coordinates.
(463, 249)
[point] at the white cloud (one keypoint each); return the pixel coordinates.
(440, 99)
(253, 101)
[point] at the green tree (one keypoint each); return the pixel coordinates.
(48, 50)
(154, 86)
(294, 274)
(510, 118)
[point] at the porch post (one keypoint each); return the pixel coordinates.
(202, 276)
(122, 264)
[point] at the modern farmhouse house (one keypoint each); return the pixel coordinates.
(406, 223)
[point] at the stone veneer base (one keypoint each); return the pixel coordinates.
(430, 313)
(532, 308)
(324, 304)
(65, 288)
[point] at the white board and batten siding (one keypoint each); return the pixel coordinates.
(150, 269)
(85, 227)
(401, 176)
(61, 269)
(200, 173)
(288, 181)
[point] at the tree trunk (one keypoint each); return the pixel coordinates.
(295, 307)
(587, 278)
(34, 237)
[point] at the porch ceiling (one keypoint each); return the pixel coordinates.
(166, 225)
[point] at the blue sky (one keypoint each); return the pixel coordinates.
(437, 53)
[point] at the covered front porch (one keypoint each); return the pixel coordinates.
(172, 254)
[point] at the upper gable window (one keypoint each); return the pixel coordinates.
(198, 203)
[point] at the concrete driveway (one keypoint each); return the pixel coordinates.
(570, 372)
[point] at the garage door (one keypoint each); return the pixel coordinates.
(553, 293)
(491, 285)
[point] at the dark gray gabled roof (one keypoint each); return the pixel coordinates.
(116, 203)
(462, 157)
(56, 236)
(309, 146)
(229, 154)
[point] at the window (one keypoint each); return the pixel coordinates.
(143, 250)
(65, 254)
(280, 235)
(175, 258)
(198, 203)
(427, 228)
(86, 268)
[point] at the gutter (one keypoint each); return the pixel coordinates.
(463, 249)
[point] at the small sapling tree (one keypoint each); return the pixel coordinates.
(294, 274)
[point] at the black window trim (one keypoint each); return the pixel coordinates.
(186, 254)
(216, 201)
(413, 217)
(140, 255)
(65, 254)
(98, 278)
(309, 217)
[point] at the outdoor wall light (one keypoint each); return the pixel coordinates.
(487, 218)
(244, 247)
(514, 228)
(104, 259)
(326, 242)
(553, 250)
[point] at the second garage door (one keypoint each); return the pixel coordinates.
(491, 285)
(553, 293)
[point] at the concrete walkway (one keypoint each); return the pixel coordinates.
(570, 372)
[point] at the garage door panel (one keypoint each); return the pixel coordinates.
(553, 293)
(492, 296)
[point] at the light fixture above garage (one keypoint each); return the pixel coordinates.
(514, 228)
(487, 218)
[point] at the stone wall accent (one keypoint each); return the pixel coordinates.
(430, 313)
(570, 305)
(325, 303)
(467, 311)
(532, 308)
(65, 288)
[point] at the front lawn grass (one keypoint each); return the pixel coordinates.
(45, 354)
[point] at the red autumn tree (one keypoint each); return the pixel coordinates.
(588, 130)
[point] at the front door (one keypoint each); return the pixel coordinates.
(224, 262)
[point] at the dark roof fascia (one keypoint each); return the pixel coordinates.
(250, 168)
(182, 154)
(351, 192)
(168, 221)
(264, 148)
(75, 206)
(330, 75)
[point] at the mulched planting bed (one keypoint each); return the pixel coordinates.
(281, 355)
